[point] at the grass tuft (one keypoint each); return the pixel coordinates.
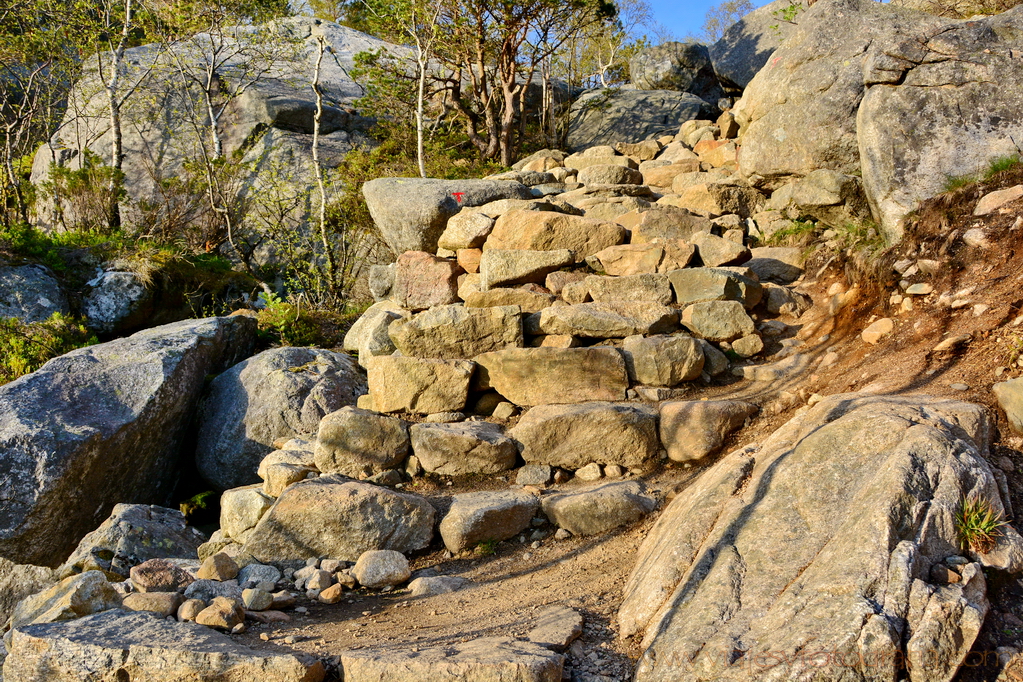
(978, 525)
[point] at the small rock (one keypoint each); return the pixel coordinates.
(1006, 464)
(534, 474)
(430, 585)
(332, 594)
(505, 410)
(256, 600)
(959, 387)
(282, 600)
(919, 289)
(556, 628)
(381, 568)
(159, 575)
(220, 567)
(614, 471)
(238, 629)
(562, 534)
(190, 609)
(221, 614)
(163, 604)
(590, 472)
(876, 331)
(445, 417)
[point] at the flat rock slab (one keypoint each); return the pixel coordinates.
(463, 448)
(551, 231)
(104, 424)
(599, 508)
(823, 537)
(556, 627)
(117, 645)
(608, 320)
(572, 436)
(488, 659)
(424, 386)
(336, 517)
(694, 285)
(539, 376)
(486, 516)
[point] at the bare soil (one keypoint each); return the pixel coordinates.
(529, 572)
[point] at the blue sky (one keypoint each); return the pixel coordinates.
(686, 16)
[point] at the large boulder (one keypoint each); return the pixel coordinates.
(353, 442)
(918, 81)
(693, 429)
(663, 360)
(332, 516)
(606, 116)
(456, 331)
(747, 44)
(134, 534)
(826, 538)
(117, 645)
(73, 597)
(539, 376)
(103, 424)
(280, 394)
(30, 293)
(411, 213)
(572, 436)
(270, 125)
(685, 67)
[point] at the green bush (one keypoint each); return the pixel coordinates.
(25, 347)
(289, 324)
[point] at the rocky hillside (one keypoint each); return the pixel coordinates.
(669, 408)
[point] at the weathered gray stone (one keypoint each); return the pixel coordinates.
(572, 436)
(18, 581)
(208, 590)
(663, 360)
(463, 448)
(104, 423)
(781, 300)
(119, 644)
(693, 429)
(747, 44)
(715, 251)
(599, 508)
(717, 320)
(776, 264)
(609, 174)
(254, 574)
(794, 545)
(609, 320)
(534, 474)
(381, 280)
(714, 361)
(336, 517)
(30, 293)
(685, 67)
(526, 300)
(693, 285)
(241, 508)
(381, 568)
(663, 223)
(556, 627)
(279, 394)
(516, 266)
(538, 376)
(486, 516)
(116, 302)
(411, 213)
(717, 198)
(606, 116)
(368, 336)
(456, 331)
(353, 442)
(399, 384)
(486, 659)
(73, 597)
(131, 535)
(429, 586)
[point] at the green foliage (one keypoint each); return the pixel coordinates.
(201, 507)
(82, 196)
(786, 14)
(25, 347)
(956, 182)
(1001, 164)
(486, 548)
(26, 242)
(978, 525)
(286, 323)
(799, 233)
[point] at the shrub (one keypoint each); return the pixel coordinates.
(25, 347)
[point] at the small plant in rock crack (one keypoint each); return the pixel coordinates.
(486, 548)
(978, 525)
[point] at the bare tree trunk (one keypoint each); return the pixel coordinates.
(117, 142)
(328, 252)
